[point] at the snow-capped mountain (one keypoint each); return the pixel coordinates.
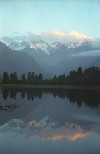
(20, 62)
(52, 43)
(46, 41)
(42, 45)
(56, 52)
(18, 45)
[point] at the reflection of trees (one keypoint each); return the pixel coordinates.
(32, 93)
(5, 93)
(88, 97)
(13, 93)
(29, 93)
(23, 93)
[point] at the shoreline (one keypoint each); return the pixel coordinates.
(51, 87)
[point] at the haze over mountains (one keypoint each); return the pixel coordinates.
(49, 53)
(13, 61)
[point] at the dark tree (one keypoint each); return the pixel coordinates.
(23, 78)
(54, 80)
(13, 78)
(32, 78)
(29, 77)
(5, 78)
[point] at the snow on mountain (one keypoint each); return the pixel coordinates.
(17, 61)
(18, 45)
(46, 40)
(40, 44)
(56, 52)
(49, 39)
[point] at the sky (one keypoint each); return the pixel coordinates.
(37, 16)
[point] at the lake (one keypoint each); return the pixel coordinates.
(49, 121)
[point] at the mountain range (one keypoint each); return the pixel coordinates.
(13, 61)
(47, 57)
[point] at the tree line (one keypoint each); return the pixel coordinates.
(89, 76)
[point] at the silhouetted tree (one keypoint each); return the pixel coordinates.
(54, 80)
(28, 77)
(5, 78)
(32, 78)
(23, 79)
(90, 76)
(39, 79)
(13, 78)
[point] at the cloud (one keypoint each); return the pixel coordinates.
(72, 36)
(72, 132)
(54, 33)
(66, 34)
(77, 35)
(69, 137)
(96, 42)
(53, 36)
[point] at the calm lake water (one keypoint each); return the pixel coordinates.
(42, 121)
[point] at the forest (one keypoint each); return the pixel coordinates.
(79, 77)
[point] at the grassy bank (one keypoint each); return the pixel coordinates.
(50, 86)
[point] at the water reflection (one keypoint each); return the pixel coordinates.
(89, 97)
(50, 121)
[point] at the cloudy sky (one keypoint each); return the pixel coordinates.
(37, 16)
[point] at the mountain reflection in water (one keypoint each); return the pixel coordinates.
(48, 121)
